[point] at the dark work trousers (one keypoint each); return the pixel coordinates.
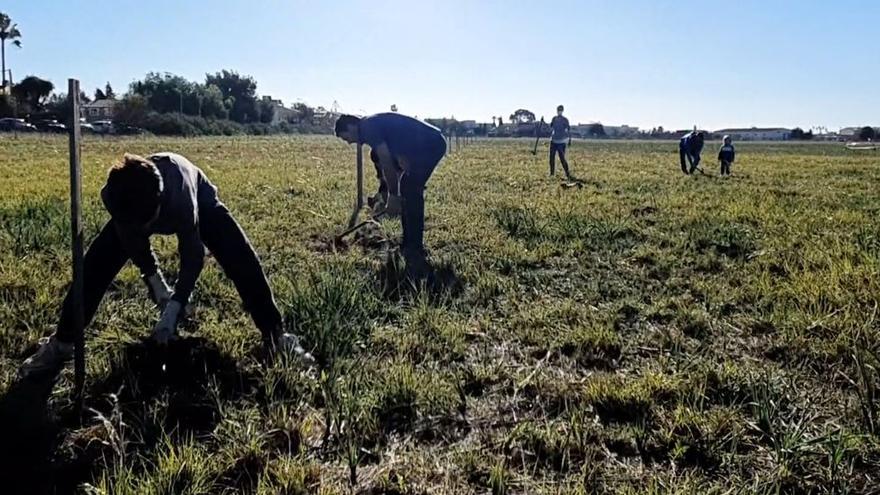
(560, 149)
(412, 191)
(725, 167)
(220, 233)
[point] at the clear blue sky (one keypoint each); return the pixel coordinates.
(637, 62)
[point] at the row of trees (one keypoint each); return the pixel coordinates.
(225, 103)
(225, 95)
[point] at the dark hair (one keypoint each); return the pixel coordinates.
(133, 190)
(344, 121)
(560, 108)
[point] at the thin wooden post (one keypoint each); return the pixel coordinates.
(76, 229)
(359, 201)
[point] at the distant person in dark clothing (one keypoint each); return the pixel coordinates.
(408, 151)
(726, 155)
(165, 194)
(690, 147)
(559, 139)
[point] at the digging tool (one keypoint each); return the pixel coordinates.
(357, 227)
(538, 136)
(359, 202)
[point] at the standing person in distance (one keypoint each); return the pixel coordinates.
(408, 151)
(726, 155)
(689, 148)
(165, 194)
(559, 139)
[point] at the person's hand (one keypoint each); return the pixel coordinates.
(394, 207)
(159, 291)
(166, 328)
(376, 202)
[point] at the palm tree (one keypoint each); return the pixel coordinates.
(8, 31)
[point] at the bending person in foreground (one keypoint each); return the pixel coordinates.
(166, 194)
(408, 151)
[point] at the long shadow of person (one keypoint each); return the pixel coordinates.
(173, 390)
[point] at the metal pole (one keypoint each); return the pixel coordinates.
(76, 228)
(359, 201)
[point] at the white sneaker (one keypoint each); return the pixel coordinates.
(288, 344)
(51, 355)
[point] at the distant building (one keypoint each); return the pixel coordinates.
(757, 134)
(853, 132)
(621, 131)
(611, 131)
(98, 110)
(280, 112)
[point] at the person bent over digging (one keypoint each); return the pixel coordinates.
(689, 148)
(408, 151)
(166, 194)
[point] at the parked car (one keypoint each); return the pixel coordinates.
(128, 130)
(85, 127)
(104, 127)
(50, 125)
(10, 124)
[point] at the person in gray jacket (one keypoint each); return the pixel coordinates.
(167, 195)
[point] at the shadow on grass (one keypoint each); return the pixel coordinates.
(441, 282)
(149, 392)
(27, 436)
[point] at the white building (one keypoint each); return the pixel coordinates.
(280, 113)
(757, 134)
(621, 131)
(98, 110)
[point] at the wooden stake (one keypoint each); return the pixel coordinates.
(359, 202)
(76, 228)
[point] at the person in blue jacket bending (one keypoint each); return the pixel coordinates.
(690, 147)
(408, 151)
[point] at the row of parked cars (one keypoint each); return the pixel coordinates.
(53, 126)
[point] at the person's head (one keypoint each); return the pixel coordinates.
(347, 128)
(727, 140)
(133, 191)
(559, 110)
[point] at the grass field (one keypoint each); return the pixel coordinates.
(649, 333)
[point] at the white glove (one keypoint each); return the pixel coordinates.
(166, 329)
(160, 293)
(394, 206)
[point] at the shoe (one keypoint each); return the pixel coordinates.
(51, 356)
(288, 344)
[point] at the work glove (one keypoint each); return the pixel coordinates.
(159, 291)
(394, 207)
(166, 329)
